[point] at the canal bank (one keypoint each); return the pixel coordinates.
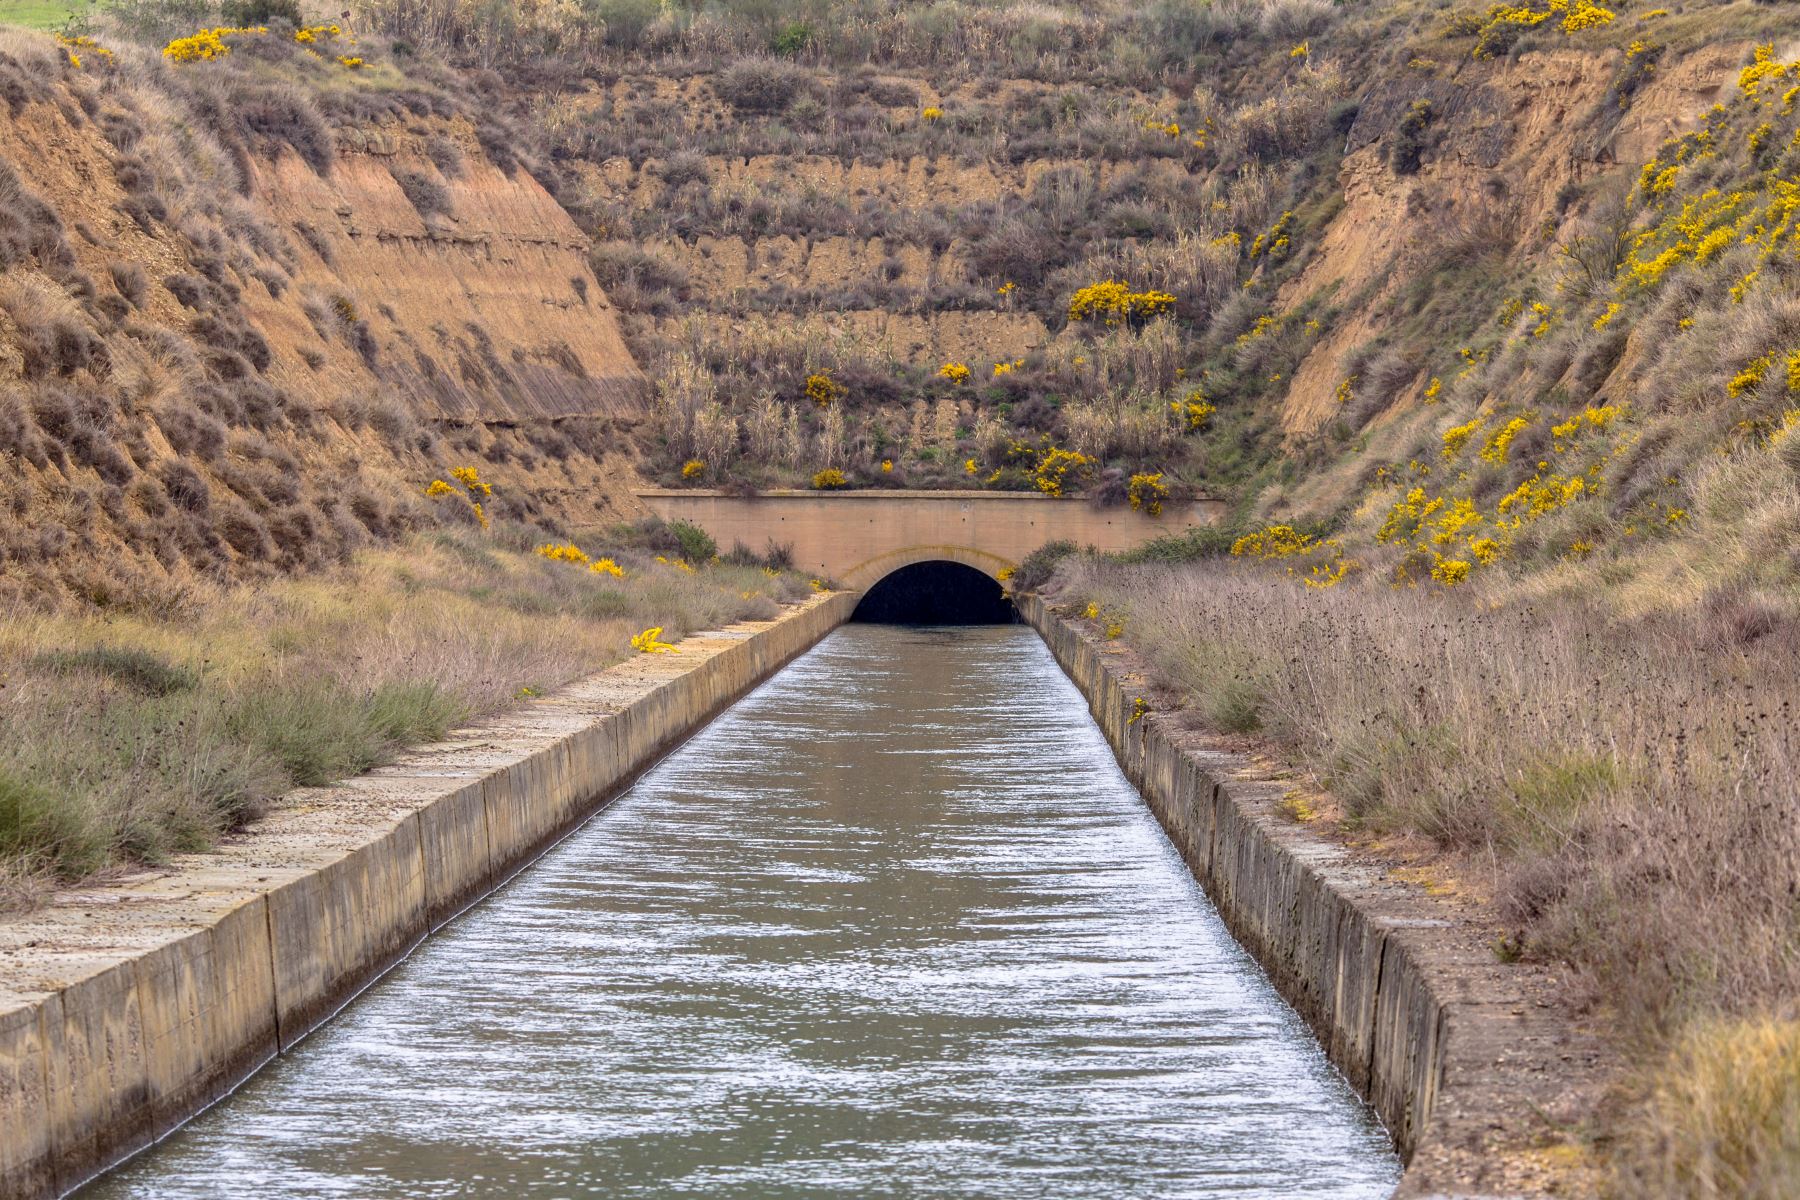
(126, 1009)
(1466, 1059)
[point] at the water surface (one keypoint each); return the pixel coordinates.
(894, 926)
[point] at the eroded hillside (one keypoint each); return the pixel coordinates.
(254, 304)
(1331, 238)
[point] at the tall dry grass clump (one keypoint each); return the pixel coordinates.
(1723, 1116)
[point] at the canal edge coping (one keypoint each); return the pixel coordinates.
(1457, 1054)
(125, 1010)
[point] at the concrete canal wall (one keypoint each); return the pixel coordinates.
(1450, 1047)
(126, 1009)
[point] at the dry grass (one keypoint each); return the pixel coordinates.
(1723, 1116)
(126, 738)
(1626, 791)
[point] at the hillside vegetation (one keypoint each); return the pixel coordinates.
(314, 430)
(1485, 320)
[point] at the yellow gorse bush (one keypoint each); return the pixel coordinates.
(1054, 469)
(1194, 412)
(567, 552)
(1457, 437)
(472, 486)
(1494, 449)
(955, 372)
(207, 44)
(692, 467)
(1113, 303)
(829, 478)
(1275, 242)
(81, 44)
(822, 389)
(1147, 493)
(1272, 541)
(650, 642)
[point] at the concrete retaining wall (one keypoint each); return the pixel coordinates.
(126, 1009)
(1447, 1045)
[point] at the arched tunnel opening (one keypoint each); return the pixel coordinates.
(936, 593)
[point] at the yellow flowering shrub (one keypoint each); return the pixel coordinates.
(692, 467)
(1194, 412)
(829, 478)
(1275, 242)
(1147, 493)
(470, 478)
(1457, 437)
(1114, 303)
(1749, 377)
(1055, 468)
(606, 566)
(1494, 449)
(1273, 541)
(81, 44)
(207, 44)
(1539, 495)
(931, 112)
(1763, 66)
(472, 487)
(1584, 15)
(1434, 390)
(567, 552)
(650, 642)
(955, 372)
(1452, 519)
(822, 389)
(1450, 571)
(1405, 516)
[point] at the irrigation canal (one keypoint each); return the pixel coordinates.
(895, 925)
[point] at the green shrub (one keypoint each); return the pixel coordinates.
(1036, 568)
(1201, 541)
(46, 831)
(319, 732)
(137, 669)
(697, 546)
(243, 13)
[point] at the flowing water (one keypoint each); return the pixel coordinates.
(893, 926)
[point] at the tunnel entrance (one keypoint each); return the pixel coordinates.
(936, 593)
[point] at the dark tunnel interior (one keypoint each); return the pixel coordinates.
(936, 593)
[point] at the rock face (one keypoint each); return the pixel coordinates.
(486, 311)
(224, 360)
